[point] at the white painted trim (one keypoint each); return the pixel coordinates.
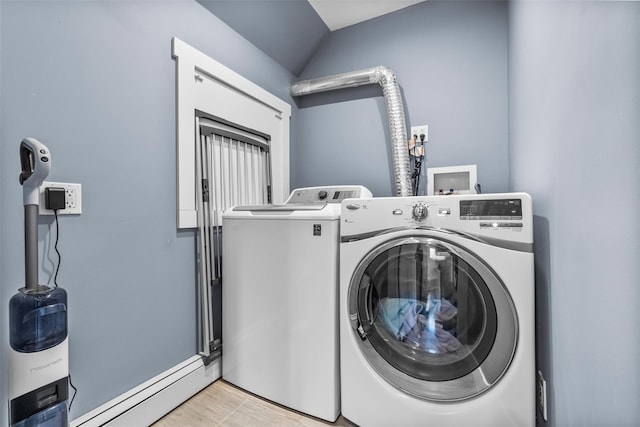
(190, 97)
(153, 399)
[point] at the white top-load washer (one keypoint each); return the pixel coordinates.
(437, 311)
(280, 299)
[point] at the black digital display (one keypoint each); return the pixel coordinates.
(345, 194)
(508, 209)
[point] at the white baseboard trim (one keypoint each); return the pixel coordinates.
(151, 400)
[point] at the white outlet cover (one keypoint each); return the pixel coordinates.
(74, 207)
(419, 130)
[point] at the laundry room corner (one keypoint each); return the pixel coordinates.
(519, 297)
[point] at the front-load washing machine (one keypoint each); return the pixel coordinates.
(437, 311)
(280, 299)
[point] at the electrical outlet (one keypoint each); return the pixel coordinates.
(418, 131)
(542, 396)
(72, 198)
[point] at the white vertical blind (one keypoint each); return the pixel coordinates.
(240, 173)
(240, 166)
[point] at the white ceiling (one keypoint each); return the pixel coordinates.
(338, 14)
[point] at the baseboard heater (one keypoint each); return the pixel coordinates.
(150, 401)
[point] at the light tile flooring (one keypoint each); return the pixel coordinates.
(222, 404)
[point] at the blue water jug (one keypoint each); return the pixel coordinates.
(38, 318)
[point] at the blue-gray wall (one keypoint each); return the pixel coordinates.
(95, 82)
(450, 59)
(575, 146)
(288, 31)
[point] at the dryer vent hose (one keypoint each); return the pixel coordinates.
(386, 78)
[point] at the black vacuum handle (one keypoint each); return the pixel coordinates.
(26, 161)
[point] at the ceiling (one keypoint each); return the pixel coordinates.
(338, 14)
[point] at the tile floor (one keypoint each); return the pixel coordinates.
(222, 404)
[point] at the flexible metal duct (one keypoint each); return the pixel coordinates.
(386, 78)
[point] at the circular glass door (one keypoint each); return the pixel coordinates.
(432, 318)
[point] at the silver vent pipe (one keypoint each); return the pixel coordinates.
(386, 78)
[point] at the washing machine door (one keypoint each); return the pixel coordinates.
(432, 318)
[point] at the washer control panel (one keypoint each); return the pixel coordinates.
(506, 217)
(335, 194)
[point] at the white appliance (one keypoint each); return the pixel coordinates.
(280, 299)
(437, 311)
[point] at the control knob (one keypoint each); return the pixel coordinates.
(322, 194)
(419, 211)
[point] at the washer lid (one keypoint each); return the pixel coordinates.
(289, 212)
(282, 208)
(431, 318)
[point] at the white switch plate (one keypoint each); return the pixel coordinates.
(420, 130)
(72, 196)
